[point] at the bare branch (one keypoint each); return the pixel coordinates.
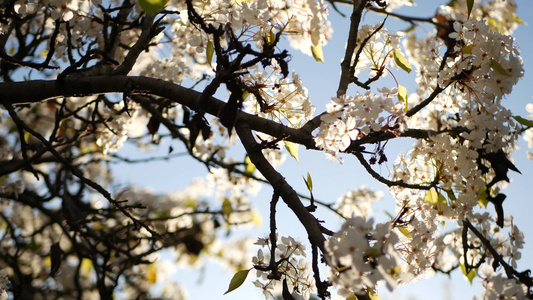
(358, 7)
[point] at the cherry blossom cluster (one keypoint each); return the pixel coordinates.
(112, 135)
(304, 20)
(445, 161)
(358, 202)
(235, 190)
(498, 286)
(285, 99)
(481, 64)
(361, 255)
(480, 70)
(507, 241)
(500, 15)
(348, 118)
(290, 264)
(489, 60)
(377, 49)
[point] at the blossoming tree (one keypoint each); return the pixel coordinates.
(80, 78)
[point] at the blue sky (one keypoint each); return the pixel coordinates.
(332, 179)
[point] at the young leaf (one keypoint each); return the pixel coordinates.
(245, 94)
(209, 50)
(373, 295)
(518, 20)
(352, 296)
(293, 149)
(226, 207)
(482, 197)
(151, 275)
(401, 61)
(469, 6)
(404, 231)
(249, 166)
(270, 38)
(86, 266)
(498, 68)
(402, 96)
(152, 6)
(318, 55)
(471, 274)
(237, 280)
(436, 199)
(468, 49)
(409, 29)
(309, 182)
(432, 197)
(525, 122)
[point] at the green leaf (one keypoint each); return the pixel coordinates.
(309, 182)
(152, 6)
(409, 29)
(498, 68)
(237, 280)
(402, 96)
(270, 38)
(401, 61)
(404, 231)
(293, 149)
(467, 49)
(209, 51)
(373, 295)
(227, 209)
(482, 197)
(245, 94)
(518, 20)
(436, 199)
(352, 296)
(318, 55)
(469, 6)
(471, 273)
(525, 122)
(431, 197)
(249, 166)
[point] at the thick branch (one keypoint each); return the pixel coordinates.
(18, 93)
(280, 185)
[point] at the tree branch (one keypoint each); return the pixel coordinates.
(358, 7)
(510, 271)
(26, 92)
(148, 32)
(280, 185)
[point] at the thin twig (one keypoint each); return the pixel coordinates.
(384, 180)
(510, 271)
(355, 19)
